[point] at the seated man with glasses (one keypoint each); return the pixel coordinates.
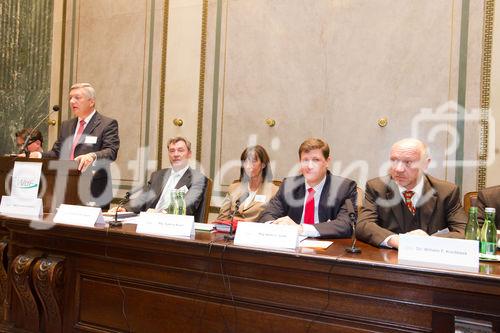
(409, 201)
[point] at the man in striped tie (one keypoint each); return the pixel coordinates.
(409, 201)
(316, 200)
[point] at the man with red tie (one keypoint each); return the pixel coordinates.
(409, 201)
(315, 200)
(89, 138)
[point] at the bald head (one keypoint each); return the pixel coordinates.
(409, 160)
(414, 145)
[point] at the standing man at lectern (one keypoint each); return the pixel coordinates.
(409, 201)
(89, 138)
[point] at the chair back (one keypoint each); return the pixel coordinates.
(469, 200)
(277, 182)
(202, 214)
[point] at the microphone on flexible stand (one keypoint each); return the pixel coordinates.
(237, 204)
(122, 202)
(352, 217)
(27, 140)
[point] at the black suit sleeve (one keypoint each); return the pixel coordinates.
(55, 152)
(148, 196)
(110, 142)
(194, 196)
(340, 225)
(277, 206)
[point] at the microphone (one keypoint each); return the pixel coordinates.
(237, 204)
(352, 217)
(123, 201)
(27, 140)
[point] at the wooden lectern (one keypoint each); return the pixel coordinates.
(58, 184)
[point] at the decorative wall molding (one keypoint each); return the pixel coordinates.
(489, 13)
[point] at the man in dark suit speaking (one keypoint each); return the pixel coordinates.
(89, 138)
(156, 194)
(315, 200)
(409, 201)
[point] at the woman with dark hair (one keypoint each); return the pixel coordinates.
(254, 188)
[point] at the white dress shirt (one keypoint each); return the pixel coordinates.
(174, 178)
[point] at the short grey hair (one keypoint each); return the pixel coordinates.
(176, 139)
(87, 88)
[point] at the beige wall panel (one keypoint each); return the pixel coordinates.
(272, 70)
(386, 59)
(333, 69)
(182, 71)
(111, 52)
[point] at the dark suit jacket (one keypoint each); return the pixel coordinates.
(195, 181)
(489, 197)
(382, 214)
(105, 130)
(332, 209)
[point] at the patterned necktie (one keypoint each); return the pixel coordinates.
(309, 211)
(77, 138)
(408, 195)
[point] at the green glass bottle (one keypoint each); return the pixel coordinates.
(489, 232)
(172, 206)
(472, 231)
(181, 203)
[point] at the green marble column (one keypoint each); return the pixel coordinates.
(25, 58)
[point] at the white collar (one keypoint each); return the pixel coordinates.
(180, 172)
(418, 189)
(318, 187)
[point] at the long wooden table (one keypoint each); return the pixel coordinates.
(61, 278)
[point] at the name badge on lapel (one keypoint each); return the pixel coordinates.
(90, 139)
(260, 198)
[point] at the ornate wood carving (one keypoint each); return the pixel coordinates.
(20, 277)
(48, 279)
(3, 280)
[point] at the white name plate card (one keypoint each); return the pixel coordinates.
(79, 215)
(26, 179)
(165, 224)
(439, 252)
(265, 235)
(11, 205)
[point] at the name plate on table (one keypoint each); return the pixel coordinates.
(79, 215)
(165, 224)
(438, 252)
(266, 235)
(21, 206)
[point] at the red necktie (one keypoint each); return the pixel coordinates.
(408, 195)
(309, 211)
(77, 138)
